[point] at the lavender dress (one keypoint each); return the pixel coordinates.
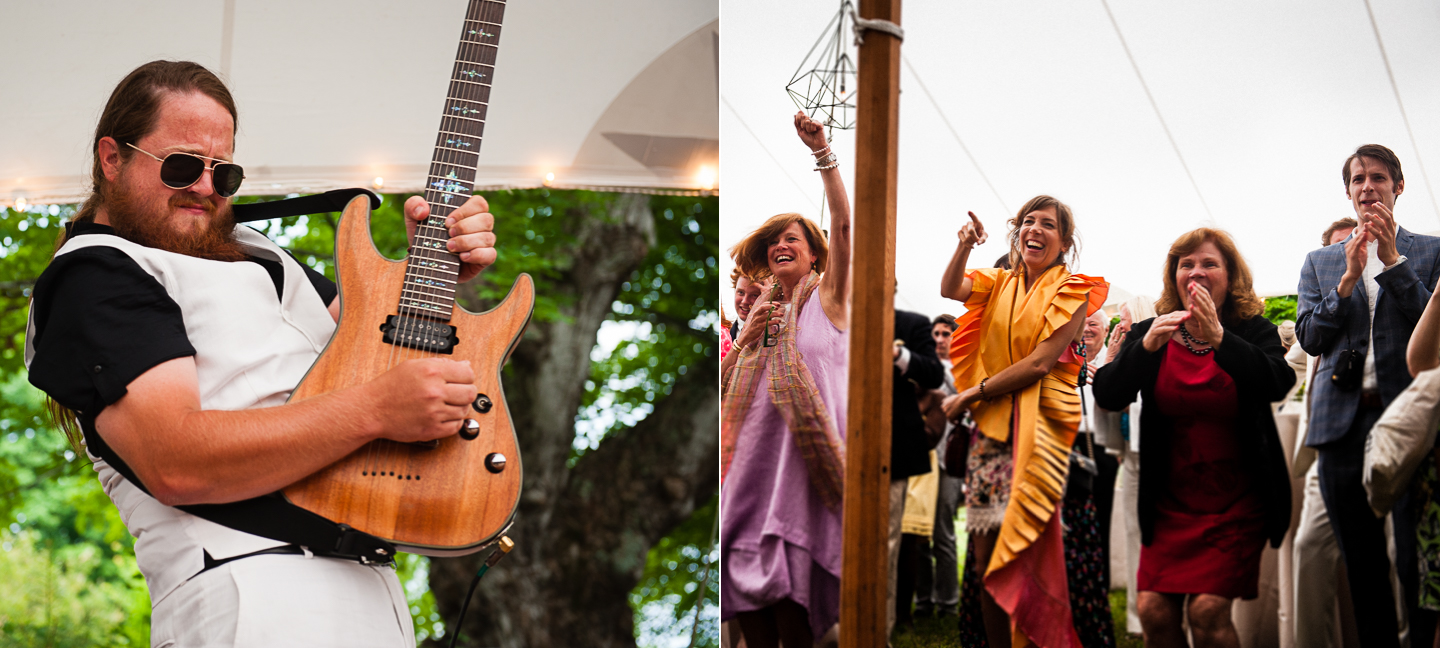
(777, 540)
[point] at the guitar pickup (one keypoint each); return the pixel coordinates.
(416, 333)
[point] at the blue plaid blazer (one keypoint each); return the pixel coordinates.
(1326, 323)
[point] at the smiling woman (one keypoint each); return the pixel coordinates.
(783, 424)
(1018, 379)
(1215, 486)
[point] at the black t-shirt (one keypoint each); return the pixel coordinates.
(101, 321)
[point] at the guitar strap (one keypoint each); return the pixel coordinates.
(330, 201)
(268, 516)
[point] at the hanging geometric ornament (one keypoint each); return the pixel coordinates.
(824, 84)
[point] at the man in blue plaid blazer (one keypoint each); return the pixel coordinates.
(1365, 294)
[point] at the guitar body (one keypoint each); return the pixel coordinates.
(444, 500)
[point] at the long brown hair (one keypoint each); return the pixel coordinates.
(132, 113)
(1241, 302)
(750, 254)
(1065, 226)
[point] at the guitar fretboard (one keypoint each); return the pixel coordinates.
(432, 271)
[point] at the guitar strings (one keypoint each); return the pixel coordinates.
(430, 259)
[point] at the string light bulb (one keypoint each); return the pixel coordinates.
(21, 204)
(549, 179)
(705, 177)
(378, 183)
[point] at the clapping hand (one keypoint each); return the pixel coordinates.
(1381, 228)
(1355, 256)
(1205, 316)
(1117, 338)
(1162, 328)
(973, 233)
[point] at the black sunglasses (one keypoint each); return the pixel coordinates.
(180, 170)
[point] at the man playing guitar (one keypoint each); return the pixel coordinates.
(173, 337)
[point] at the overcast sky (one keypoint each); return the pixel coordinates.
(1264, 101)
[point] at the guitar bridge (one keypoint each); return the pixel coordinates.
(416, 333)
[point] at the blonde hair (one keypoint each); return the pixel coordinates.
(1141, 308)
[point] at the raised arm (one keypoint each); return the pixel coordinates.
(835, 284)
(954, 284)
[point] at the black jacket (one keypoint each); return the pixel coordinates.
(1252, 355)
(909, 449)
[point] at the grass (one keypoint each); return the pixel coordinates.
(942, 632)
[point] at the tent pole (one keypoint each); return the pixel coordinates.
(865, 567)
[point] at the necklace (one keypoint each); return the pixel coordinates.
(1190, 341)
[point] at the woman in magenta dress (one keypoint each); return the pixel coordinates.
(1215, 486)
(783, 424)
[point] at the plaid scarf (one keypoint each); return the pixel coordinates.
(793, 391)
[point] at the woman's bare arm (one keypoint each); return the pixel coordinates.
(1424, 350)
(835, 283)
(1022, 374)
(954, 284)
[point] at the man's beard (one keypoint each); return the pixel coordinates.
(142, 223)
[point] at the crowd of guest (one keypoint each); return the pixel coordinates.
(1260, 516)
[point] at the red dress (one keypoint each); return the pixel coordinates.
(1209, 527)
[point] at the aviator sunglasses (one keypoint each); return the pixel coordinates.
(180, 170)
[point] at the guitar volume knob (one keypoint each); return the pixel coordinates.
(495, 462)
(469, 430)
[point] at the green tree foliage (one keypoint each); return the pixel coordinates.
(65, 558)
(1279, 309)
(676, 570)
(63, 540)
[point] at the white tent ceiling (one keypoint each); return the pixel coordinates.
(1263, 100)
(336, 93)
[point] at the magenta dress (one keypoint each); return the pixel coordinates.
(777, 540)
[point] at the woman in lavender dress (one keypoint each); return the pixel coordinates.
(783, 425)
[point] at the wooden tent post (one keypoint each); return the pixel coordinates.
(864, 574)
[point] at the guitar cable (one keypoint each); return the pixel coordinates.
(505, 545)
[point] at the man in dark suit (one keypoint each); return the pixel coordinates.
(915, 364)
(1359, 301)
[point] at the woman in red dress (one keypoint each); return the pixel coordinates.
(1215, 485)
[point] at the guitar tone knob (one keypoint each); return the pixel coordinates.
(470, 429)
(482, 403)
(495, 462)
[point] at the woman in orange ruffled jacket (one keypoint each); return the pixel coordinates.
(1018, 381)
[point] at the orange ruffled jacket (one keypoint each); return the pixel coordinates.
(1004, 324)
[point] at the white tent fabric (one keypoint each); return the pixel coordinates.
(1263, 101)
(337, 93)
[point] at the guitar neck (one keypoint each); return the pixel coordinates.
(432, 271)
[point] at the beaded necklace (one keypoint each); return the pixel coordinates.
(1190, 341)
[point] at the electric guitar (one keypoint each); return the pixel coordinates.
(455, 495)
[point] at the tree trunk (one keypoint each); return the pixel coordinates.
(582, 532)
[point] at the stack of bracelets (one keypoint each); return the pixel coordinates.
(825, 159)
